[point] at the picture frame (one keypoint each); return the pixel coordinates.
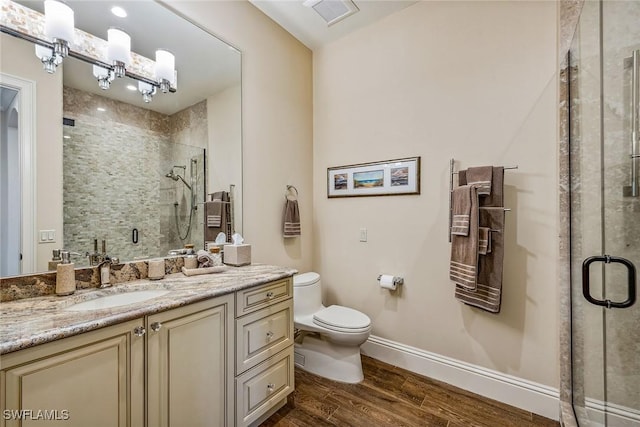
(384, 178)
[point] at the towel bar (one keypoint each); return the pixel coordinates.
(451, 174)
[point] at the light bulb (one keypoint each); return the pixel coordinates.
(119, 50)
(59, 25)
(165, 69)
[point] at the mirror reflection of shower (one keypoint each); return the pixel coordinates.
(191, 186)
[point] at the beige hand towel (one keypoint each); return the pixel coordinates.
(463, 266)
(480, 176)
(484, 240)
(496, 198)
(291, 219)
(488, 294)
(204, 259)
(461, 206)
(215, 219)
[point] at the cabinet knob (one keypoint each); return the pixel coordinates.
(269, 335)
(139, 331)
(271, 387)
(270, 295)
(156, 326)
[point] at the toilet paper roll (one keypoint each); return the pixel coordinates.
(387, 282)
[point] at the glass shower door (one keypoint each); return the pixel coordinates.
(604, 95)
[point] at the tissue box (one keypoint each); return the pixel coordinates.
(237, 255)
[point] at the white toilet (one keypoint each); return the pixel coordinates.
(329, 338)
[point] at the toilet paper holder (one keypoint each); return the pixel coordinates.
(396, 279)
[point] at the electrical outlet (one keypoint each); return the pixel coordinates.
(363, 234)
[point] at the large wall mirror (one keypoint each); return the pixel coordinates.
(135, 174)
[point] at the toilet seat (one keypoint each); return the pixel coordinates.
(342, 319)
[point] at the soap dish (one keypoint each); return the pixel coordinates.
(206, 270)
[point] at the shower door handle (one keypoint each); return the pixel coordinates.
(631, 281)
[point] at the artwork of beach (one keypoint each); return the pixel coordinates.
(399, 176)
(340, 181)
(368, 179)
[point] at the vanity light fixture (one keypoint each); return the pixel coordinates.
(59, 26)
(118, 50)
(165, 69)
(147, 90)
(104, 76)
(49, 60)
(58, 41)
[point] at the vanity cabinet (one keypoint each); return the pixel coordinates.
(220, 362)
(92, 379)
(188, 351)
(264, 350)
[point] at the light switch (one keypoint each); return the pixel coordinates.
(363, 234)
(46, 236)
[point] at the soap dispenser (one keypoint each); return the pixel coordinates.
(55, 260)
(65, 275)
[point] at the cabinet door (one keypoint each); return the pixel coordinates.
(188, 354)
(94, 379)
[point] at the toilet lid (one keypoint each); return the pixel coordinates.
(341, 318)
(305, 279)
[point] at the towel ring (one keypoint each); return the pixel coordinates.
(289, 188)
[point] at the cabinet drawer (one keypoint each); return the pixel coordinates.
(262, 334)
(258, 389)
(250, 300)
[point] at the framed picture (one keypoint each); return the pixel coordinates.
(386, 178)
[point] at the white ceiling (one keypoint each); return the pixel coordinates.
(308, 27)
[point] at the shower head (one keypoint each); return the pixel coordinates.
(177, 177)
(172, 175)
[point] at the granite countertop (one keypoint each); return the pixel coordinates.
(28, 322)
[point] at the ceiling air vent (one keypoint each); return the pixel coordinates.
(332, 11)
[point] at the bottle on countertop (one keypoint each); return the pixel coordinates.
(55, 260)
(65, 275)
(190, 257)
(216, 256)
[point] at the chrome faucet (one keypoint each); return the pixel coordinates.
(95, 257)
(104, 268)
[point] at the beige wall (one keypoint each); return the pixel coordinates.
(18, 59)
(470, 80)
(276, 124)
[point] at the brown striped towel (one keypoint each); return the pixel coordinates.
(217, 216)
(461, 207)
(291, 220)
(496, 198)
(463, 266)
(488, 293)
(480, 176)
(484, 240)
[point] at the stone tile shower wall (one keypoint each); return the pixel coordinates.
(189, 133)
(115, 162)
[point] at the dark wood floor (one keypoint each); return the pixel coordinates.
(391, 396)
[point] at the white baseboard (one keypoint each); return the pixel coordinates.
(615, 415)
(533, 397)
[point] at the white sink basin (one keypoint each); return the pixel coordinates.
(116, 300)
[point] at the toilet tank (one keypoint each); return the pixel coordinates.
(307, 294)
